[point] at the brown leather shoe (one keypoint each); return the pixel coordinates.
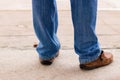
(49, 61)
(104, 59)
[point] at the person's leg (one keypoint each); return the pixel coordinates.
(45, 20)
(85, 39)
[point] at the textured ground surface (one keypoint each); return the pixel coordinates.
(19, 60)
(62, 4)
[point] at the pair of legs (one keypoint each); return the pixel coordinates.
(84, 14)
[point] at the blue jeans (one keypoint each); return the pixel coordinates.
(45, 19)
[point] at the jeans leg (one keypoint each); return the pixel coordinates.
(45, 20)
(84, 20)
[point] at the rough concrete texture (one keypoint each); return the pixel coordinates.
(19, 60)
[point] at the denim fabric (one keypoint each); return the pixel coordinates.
(45, 19)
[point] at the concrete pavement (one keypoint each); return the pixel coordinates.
(26, 4)
(19, 60)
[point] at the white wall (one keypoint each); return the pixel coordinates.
(62, 4)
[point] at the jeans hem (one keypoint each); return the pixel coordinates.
(54, 52)
(83, 61)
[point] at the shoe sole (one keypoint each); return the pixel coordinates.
(91, 68)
